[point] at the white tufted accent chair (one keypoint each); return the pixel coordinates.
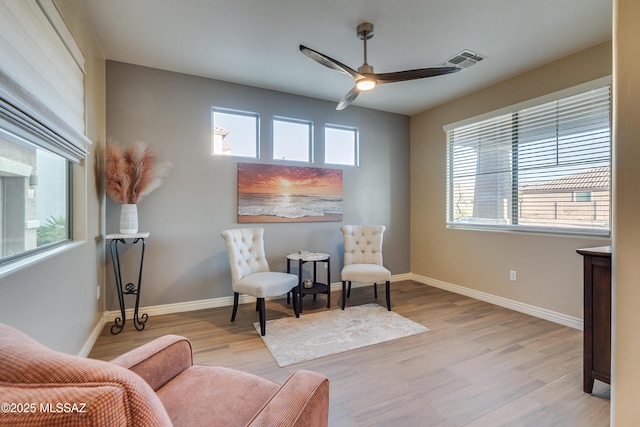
(363, 259)
(250, 272)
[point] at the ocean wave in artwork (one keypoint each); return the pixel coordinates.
(288, 206)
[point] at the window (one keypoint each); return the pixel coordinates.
(34, 197)
(582, 196)
(234, 133)
(545, 167)
(340, 145)
(292, 139)
(42, 125)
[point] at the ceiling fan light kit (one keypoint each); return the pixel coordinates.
(366, 84)
(364, 78)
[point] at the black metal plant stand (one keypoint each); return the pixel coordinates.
(129, 288)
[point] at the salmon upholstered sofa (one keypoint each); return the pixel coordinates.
(153, 385)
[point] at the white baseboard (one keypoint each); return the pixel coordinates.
(180, 307)
(157, 310)
(93, 337)
(542, 313)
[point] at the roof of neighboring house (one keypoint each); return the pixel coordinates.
(220, 131)
(226, 148)
(597, 178)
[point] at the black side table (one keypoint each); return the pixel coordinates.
(129, 288)
(317, 287)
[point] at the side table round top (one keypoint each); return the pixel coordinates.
(308, 256)
(139, 235)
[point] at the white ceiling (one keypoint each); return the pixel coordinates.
(255, 42)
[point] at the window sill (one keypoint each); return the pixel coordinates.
(540, 231)
(24, 263)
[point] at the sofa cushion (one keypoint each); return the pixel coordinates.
(211, 395)
(365, 273)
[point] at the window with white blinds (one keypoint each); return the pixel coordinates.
(542, 167)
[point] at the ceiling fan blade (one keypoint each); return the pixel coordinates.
(420, 73)
(348, 98)
(330, 62)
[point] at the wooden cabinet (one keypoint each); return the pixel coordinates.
(597, 315)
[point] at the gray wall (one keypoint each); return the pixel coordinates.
(186, 259)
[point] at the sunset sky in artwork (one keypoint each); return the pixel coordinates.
(273, 179)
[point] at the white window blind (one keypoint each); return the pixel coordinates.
(522, 170)
(41, 78)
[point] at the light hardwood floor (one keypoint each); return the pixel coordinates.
(480, 365)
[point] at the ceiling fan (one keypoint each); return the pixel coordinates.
(365, 78)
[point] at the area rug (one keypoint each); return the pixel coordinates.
(293, 340)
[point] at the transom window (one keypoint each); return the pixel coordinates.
(292, 139)
(340, 145)
(234, 133)
(543, 167)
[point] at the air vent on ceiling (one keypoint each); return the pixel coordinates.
(464, 59)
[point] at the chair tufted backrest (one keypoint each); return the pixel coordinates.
(362, 244)
(245, 247)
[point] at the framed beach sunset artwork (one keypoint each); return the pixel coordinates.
(273, 193)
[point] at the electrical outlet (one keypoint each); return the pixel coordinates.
(512, 275)
(98, 292)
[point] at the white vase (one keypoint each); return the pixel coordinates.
(129, 219)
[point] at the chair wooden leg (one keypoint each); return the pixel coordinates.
(258, 304)
(375, 290)
(349, 290)
(262, 314)
(388, 288)
(344, 293)
(235, 306)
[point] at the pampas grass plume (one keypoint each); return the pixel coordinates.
(115, 172)
(132, 174)
(159, 173)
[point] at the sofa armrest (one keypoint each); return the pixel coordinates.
(303, 400)
(158, 361)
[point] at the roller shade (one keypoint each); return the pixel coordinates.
(41, 78)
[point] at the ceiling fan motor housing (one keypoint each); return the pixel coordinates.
(365, 30)
(365, 69)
